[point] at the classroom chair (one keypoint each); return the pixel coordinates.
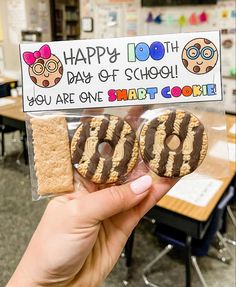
(7, 129)
(233, 219)
(5, 89)
(4, 130)
(173, 238)
(229, 212)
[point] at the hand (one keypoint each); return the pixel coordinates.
(81, 235)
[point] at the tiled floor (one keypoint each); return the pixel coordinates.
(19, 217)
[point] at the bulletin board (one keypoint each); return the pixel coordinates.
(16, 15)
(160, 20)
(111, 18)
(123, 18)
(128, 18)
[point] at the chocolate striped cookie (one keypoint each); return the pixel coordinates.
(181, 160)
(86, 157)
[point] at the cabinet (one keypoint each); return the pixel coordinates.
(65, 19)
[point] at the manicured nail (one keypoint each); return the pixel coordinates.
(141, 184)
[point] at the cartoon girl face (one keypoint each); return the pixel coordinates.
(199, 56)
(45, 69)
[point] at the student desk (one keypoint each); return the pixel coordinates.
(193, 220)
(230, 121)
(16, 102)
(5, 80)
(12, 114)
(196, 212)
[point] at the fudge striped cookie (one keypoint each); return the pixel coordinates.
(184, 158)
(88, 160)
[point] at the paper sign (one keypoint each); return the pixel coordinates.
(232, 130)
(87, 24)
(218, 151)
(5, 102)
(232, 152)
(16, 20)
(198, 192)
(121, 71)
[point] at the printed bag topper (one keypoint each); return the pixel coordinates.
(168, 69)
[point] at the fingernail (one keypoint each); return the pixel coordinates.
(141, 184)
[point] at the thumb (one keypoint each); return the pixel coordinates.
(115, 199)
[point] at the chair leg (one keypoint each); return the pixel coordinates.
(188, 255)
(233, 219)
(151, 220)
(147, 269)
(3, 145)
(199, 273)
(127, 254)
(129, 249)
(221, 256)
(128, 277)
(231, 215)
(230, 241)
(24, 141)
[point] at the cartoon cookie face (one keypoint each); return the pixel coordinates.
(46, 73)
(45, 69)
(199, 56)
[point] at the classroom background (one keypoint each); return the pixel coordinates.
(188, 238)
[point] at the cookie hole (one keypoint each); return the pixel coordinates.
(93, 129)
(105, 149)
(173, 142)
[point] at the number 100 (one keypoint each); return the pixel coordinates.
(142, 51)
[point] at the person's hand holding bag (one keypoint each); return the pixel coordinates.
(81, 235)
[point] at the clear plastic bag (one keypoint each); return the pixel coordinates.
(113, 156)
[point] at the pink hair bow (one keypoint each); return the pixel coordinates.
(44, 52)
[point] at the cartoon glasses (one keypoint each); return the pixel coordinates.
(206, 52)
(51, 66)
